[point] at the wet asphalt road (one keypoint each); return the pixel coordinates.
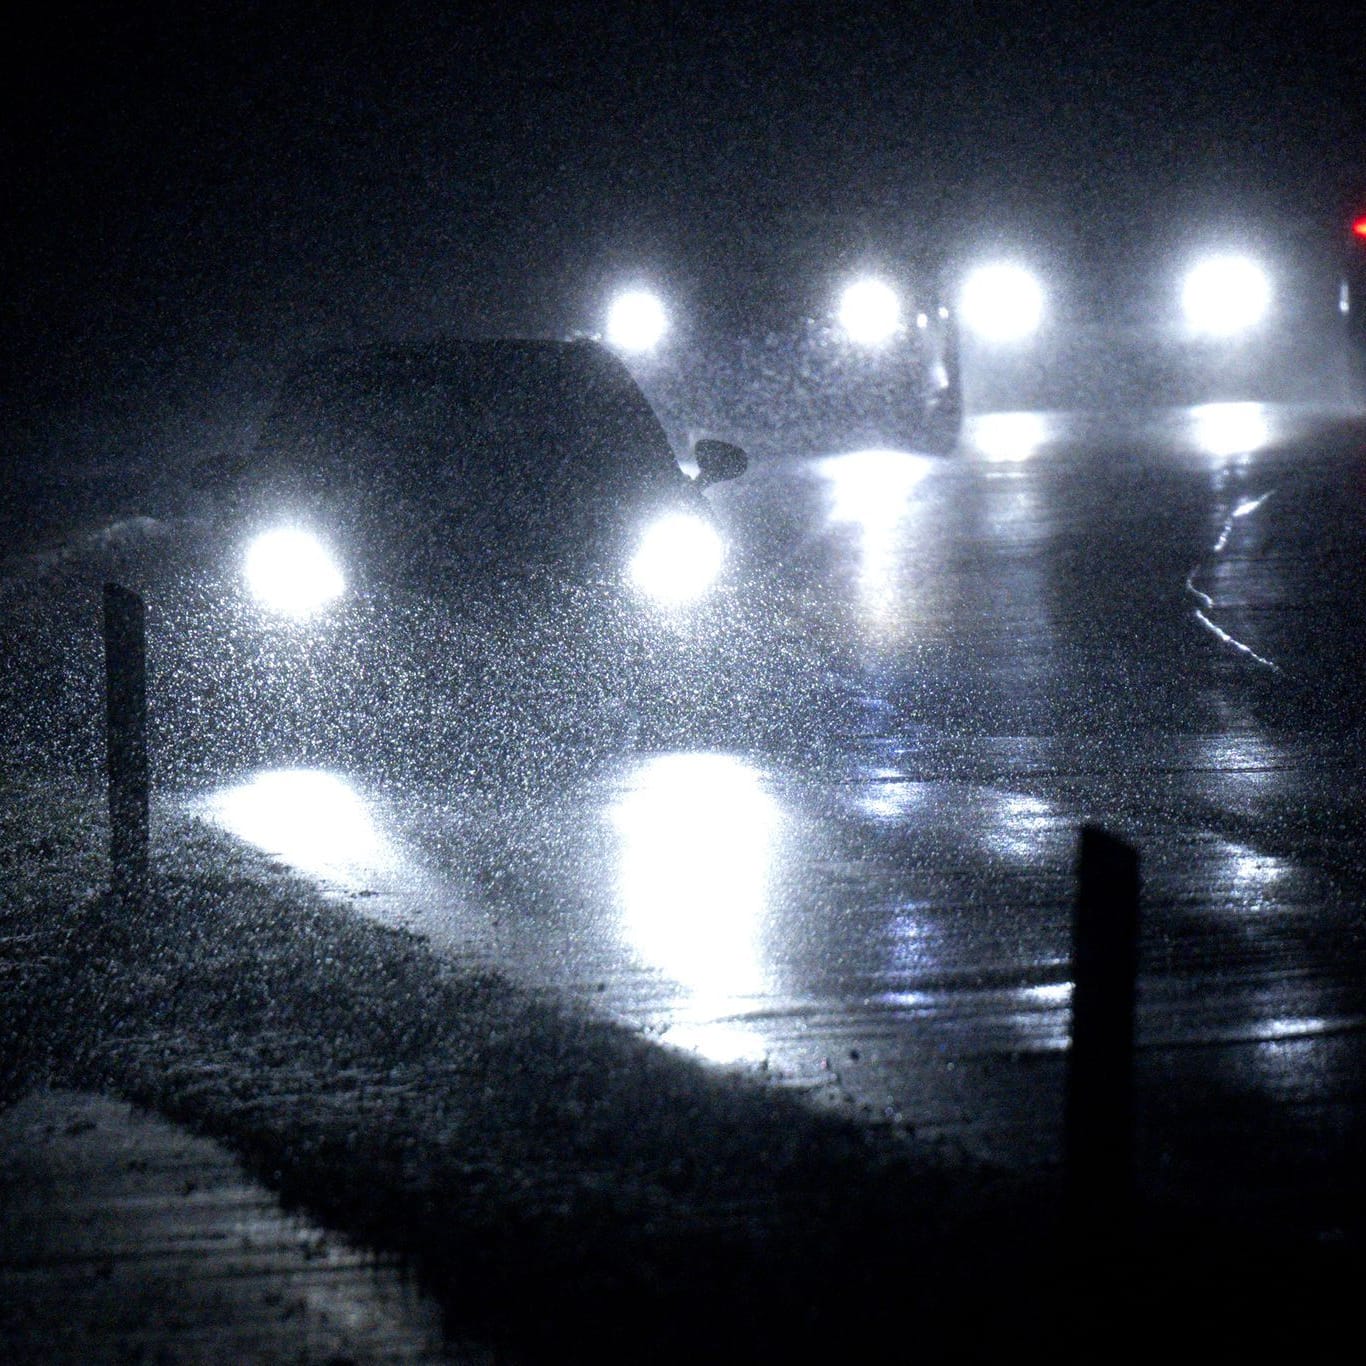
(1149, 621)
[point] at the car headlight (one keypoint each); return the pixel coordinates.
(677, 559)
(1224, 295)
(1002, 302)
(636, 321)
(290, 571)
(869, 312)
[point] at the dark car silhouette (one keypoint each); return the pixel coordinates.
(448, 559)
(489, 455)
(439, 551)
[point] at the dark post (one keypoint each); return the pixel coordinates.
(125, 664)
(1099, 1140)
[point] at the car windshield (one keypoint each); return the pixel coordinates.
(503, 448)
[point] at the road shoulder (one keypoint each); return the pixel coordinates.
(126, 1238)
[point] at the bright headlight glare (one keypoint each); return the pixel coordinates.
(677, 560)
(636, 321)
(1225, 295)
(291, 572)
(869, 312)
(1002, 302)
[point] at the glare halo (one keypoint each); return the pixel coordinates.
(869, 312)
(677, 559)
(636, 321)
(1002, 302)
(290, 571)
(1224, 295)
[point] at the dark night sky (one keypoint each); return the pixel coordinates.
(198, 192)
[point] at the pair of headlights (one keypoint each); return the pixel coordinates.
(292, 573)
(1221, 296)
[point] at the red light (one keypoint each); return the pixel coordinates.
(1359, 227)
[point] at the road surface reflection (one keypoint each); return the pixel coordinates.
(698, 836)
(1222, 430)
(872, 492)
(314, 821)
(1007, 437)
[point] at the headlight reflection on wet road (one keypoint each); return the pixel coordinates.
(872, 490)
(1006, 437)
(697, 838)
(1221, 430)
(311, 820)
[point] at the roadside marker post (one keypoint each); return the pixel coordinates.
(125, 661)
(1099, 1121)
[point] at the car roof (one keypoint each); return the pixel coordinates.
(400, 401)
(525, 442)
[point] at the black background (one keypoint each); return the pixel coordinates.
(198, 193)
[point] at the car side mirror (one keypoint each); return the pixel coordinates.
(718, 461)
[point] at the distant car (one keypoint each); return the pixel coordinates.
(1172, 313)
(488, 457)
(803, 356)
(442, 552)
(1352, 291)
